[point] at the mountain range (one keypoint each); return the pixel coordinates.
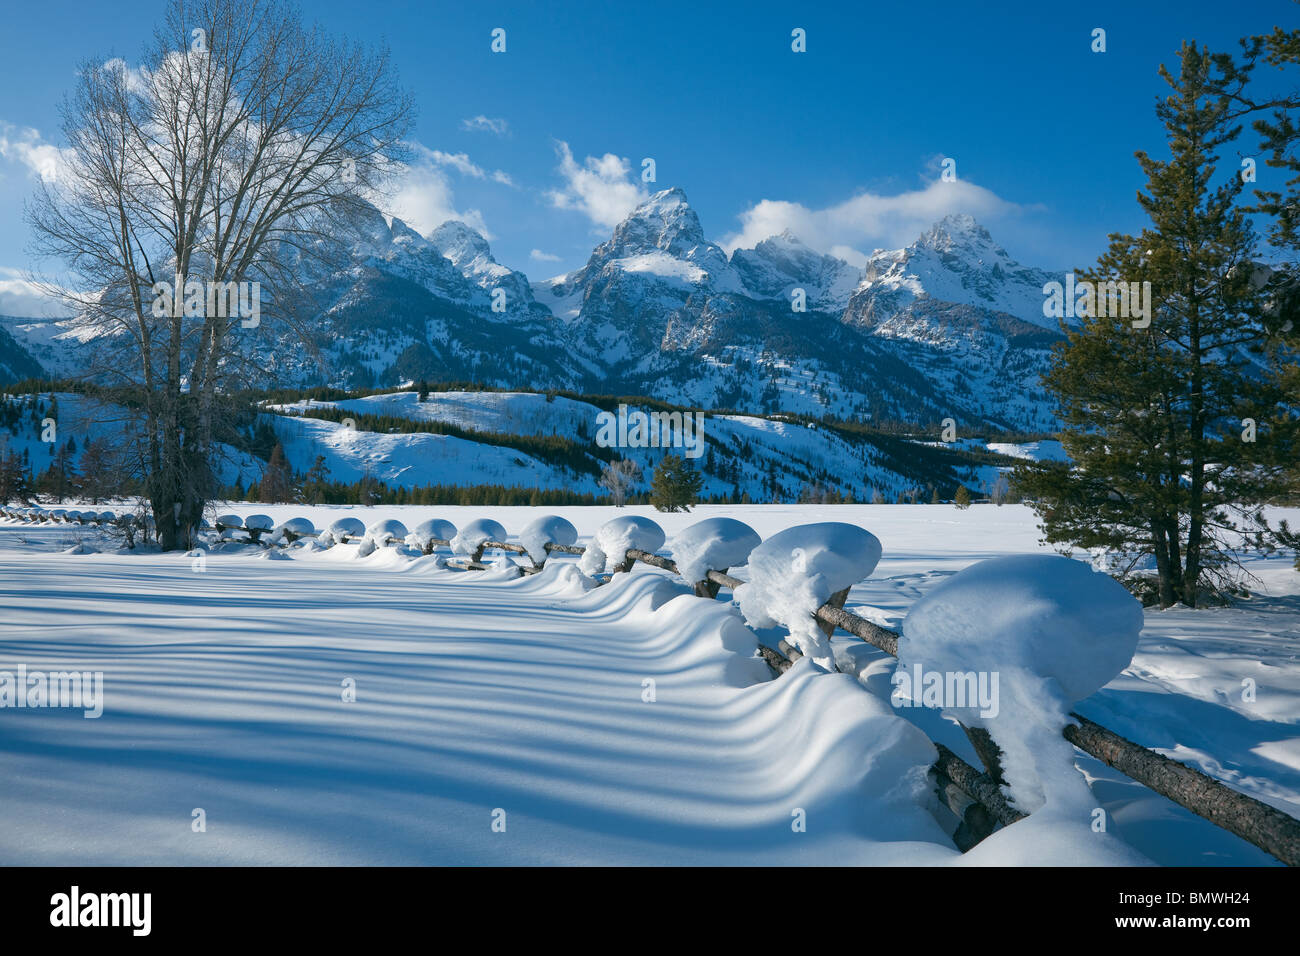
(949, 326)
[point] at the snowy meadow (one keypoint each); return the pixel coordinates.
(343, 705)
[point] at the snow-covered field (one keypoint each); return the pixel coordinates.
(482, 699)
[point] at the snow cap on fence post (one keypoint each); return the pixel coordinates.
(473, 536)
(795, 572)
(344, 529)
(714, 544)
(612, 541)
(293, 529)
(426, 532)
(1031, 635)
(258, 525)
(548, 529)
(385, 530)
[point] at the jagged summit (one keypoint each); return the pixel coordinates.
(779, 264)
(956, 261)
(956, 230)
(665, 223)
(460, 243)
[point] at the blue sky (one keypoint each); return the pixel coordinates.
(542, 146)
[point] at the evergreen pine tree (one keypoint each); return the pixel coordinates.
(277, 480)
(1154, 413)
(675, 485)
(316, 480)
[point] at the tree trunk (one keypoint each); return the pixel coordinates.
(1160, 544)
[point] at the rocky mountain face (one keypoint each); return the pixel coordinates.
(948, 326)
(779, 265)
(16, 362)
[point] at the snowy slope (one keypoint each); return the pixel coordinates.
(742, 454)
(16, 363)
(415, 460)
(520, 413)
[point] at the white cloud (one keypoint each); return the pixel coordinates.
(422, 196)
(20, 297)
(503, 178)
(538, 256)
(485, 124)
(457, 161)
(26, 146)
(600, 187)
(852, 229)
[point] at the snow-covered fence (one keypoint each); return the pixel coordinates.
(258, 525)
(976, 796)
(838, 556)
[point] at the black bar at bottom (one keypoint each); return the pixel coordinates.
(333, 906)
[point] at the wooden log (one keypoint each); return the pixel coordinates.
(477, 557)
(565, 549)
(975, 822)
(836, 600)
(873, 634)
(654, 560)
(977, 785)
(1267, 827)
(775, 659)
(726, 580)
(706, 588)
(988, 751)
(504, 546)
(460, 563)
(789, 650)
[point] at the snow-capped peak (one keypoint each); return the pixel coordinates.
(665, 223)
(461, 244)
(955, 261)
(399, 231)
(957, 231)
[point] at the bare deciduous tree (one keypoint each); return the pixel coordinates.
(210, 175)
(618, 476)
